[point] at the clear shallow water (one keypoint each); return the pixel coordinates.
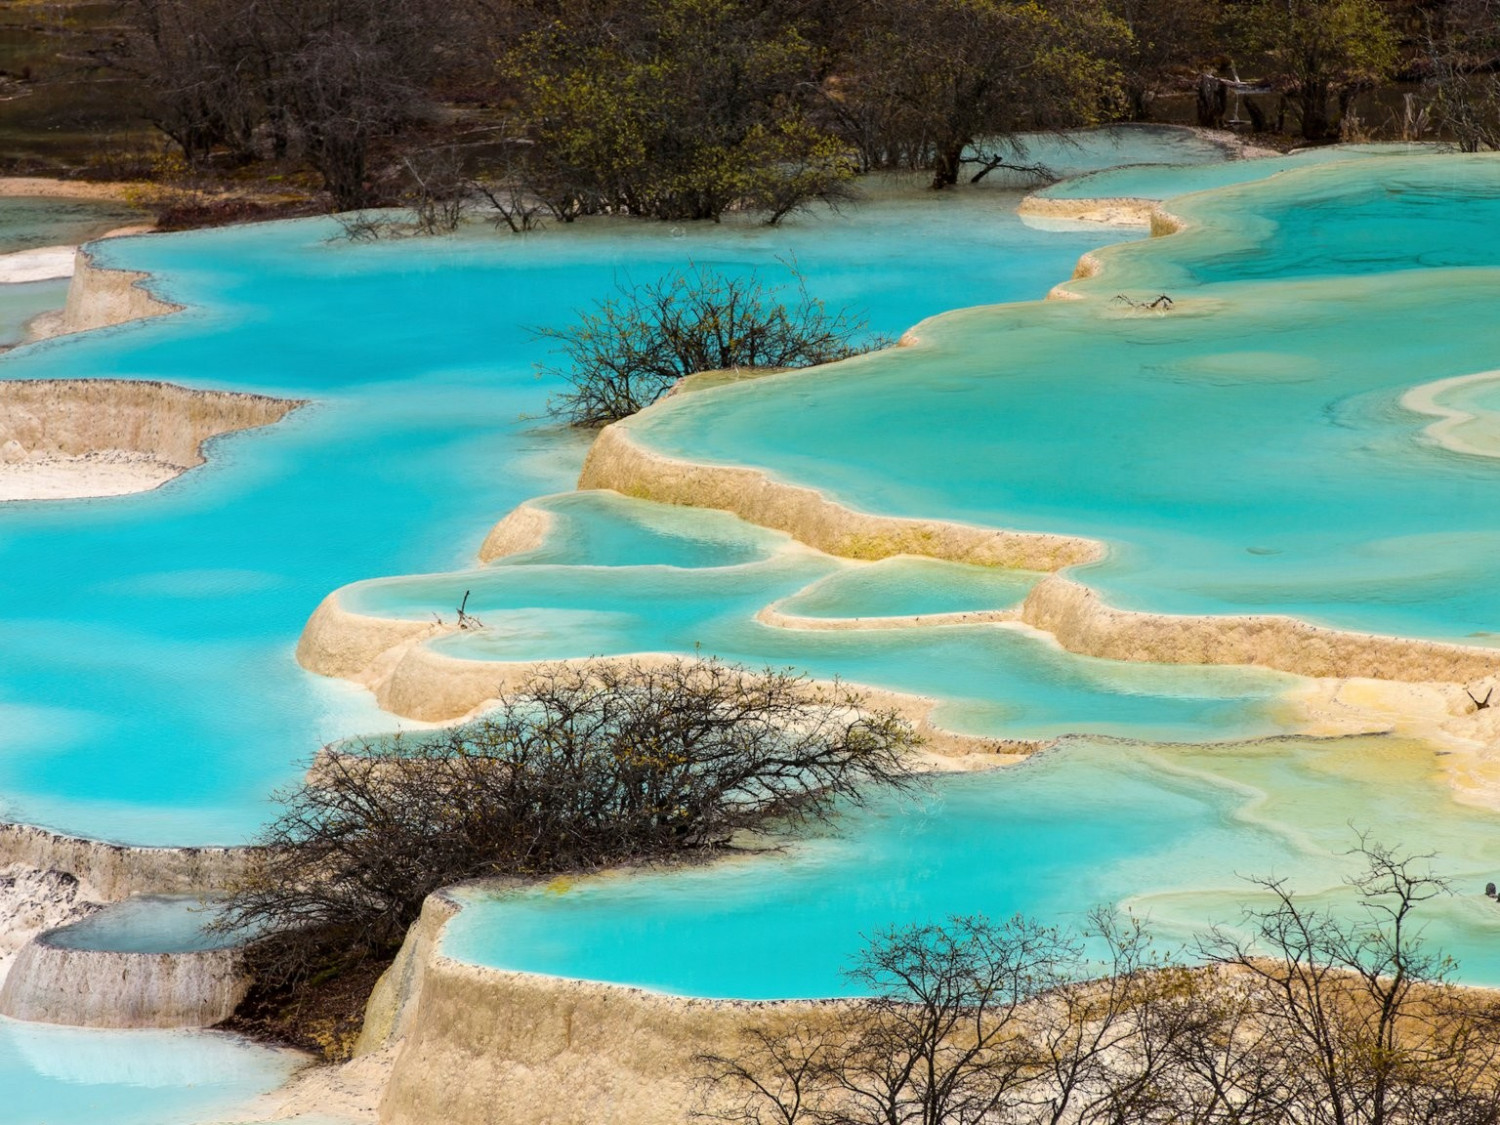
(906, 587)
(1245, 453)
(666, 580)
(28, 224)
(21, 301)
(1161, 180)
(1167, 832)
(148, 691)
(70, 1076)
(147, 686)
(146, 924)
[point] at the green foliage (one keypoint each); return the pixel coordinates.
(927, 80)
(1317, 50)
(1169, 40)
(629, 350)
(691, 111)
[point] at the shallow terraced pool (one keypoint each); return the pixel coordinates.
(1252, 450)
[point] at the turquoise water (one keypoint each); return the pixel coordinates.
(70, 1076)
(1167, 833)
(1142, 149)
(148, 691)
(147, 924)
(906, 587)
(147, 688)
(1245, 453)
(1161, 180)
(676, 583)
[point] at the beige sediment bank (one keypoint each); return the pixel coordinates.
(779, 619)
(1444, 432)
(393, 660)
(100, 297)
(1076, 616)
(101, 988)
(524, 529)
(619, 463)
(1091, 264)
(48, 879)
(40, 187)
(1122, 212)
(62, 438)
(109, 872)
(1083, 623)
(473, 1044)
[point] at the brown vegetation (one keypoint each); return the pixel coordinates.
(633, 347)
(584, 766)
(684, 109)
(1311, 1016)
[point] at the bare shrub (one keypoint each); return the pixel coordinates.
(630, 349)
(1311, 1018)
(582, 766)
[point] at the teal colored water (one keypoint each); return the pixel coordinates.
(908, 587)
(146, 924)
(70, 1076)
(1142, 149)
(995, 681)
(1167, 833)
(1246, 452)
(147, 689)
(1160, 180)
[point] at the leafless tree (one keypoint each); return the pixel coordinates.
(582, 766)
(631, 348)
(1311, 1018)
(1462, 40)
(328, 79)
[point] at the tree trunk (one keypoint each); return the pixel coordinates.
(1314, 111)
(1213, 99)
(945, 165)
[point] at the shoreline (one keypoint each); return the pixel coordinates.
(1423, 399)
(1081, 620)
(50, 187)
(390, 658)
(617, 463)
(69, 439)
(433, 1075)
(860, 535)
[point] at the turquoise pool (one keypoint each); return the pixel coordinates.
(648, 578)
(147, 924)
(70, 1076)
(148, 691)
(1166, 832)
(1247, 452)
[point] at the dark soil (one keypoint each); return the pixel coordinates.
(322, 1016)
